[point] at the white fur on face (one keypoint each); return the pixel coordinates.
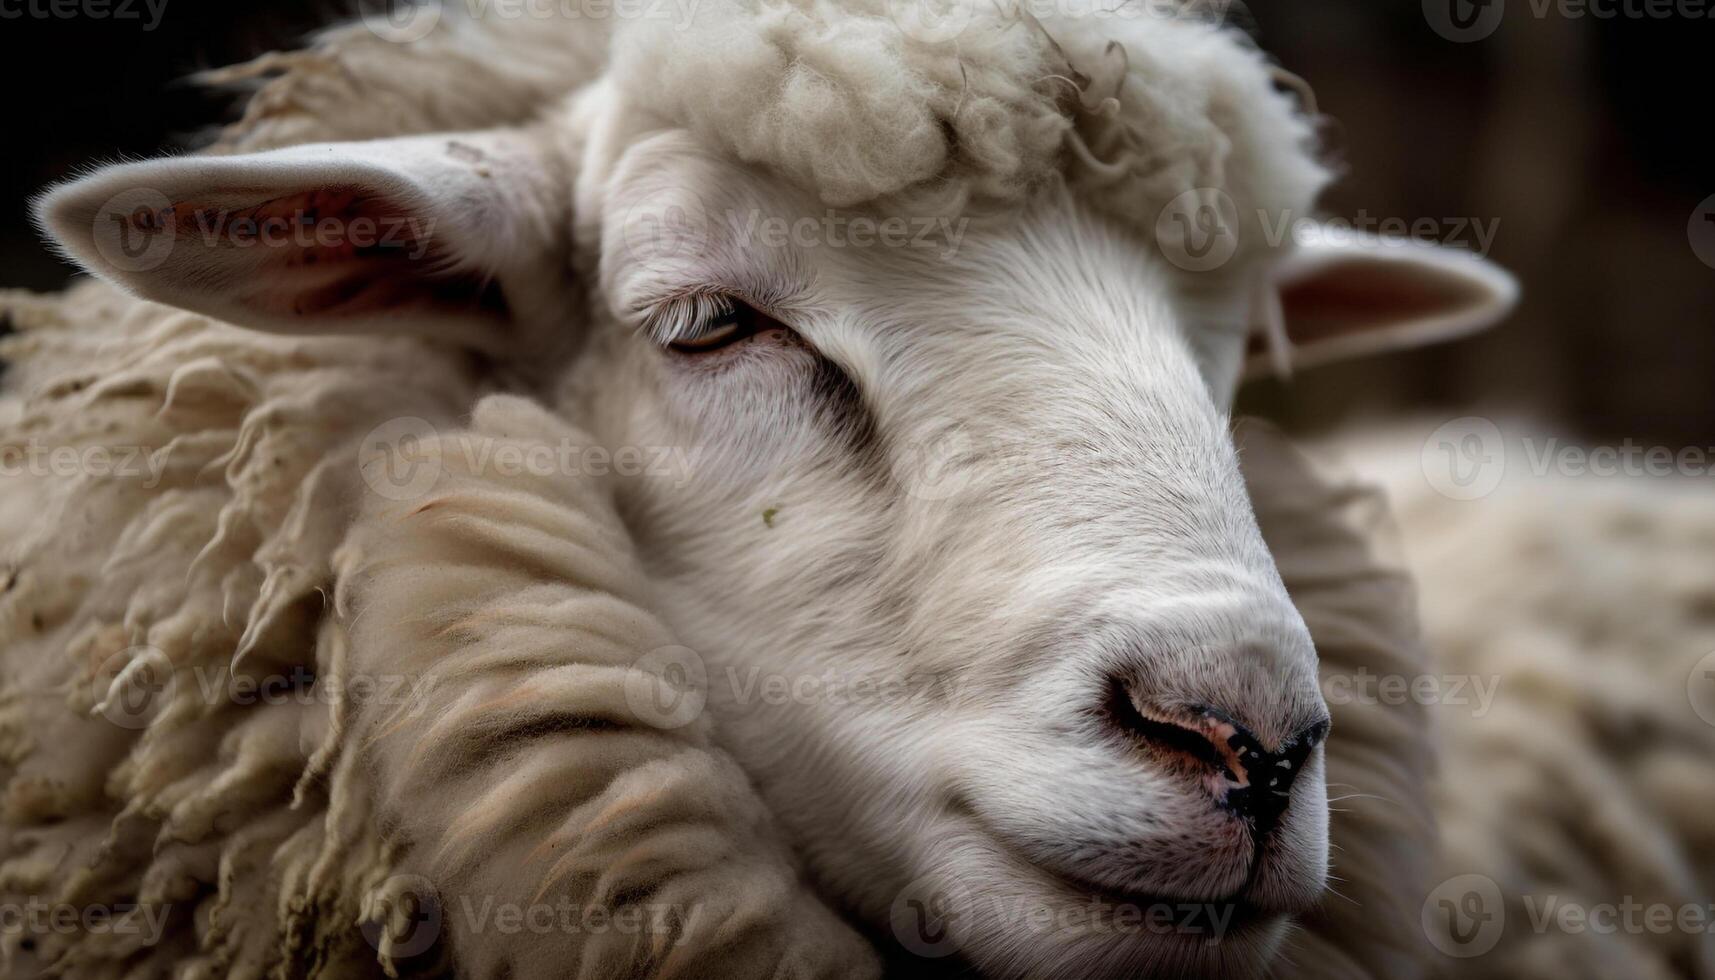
(926, 535)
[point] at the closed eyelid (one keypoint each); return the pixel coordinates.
(676, 314)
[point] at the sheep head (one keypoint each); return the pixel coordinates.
(943, 328)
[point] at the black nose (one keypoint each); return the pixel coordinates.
(1253, 783)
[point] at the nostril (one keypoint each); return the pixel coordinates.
(1164, 735)
(1248, 779)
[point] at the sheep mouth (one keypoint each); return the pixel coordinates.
(1181, 926)
(1164, 918)
(1206, 921)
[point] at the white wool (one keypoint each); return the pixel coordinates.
(533, 770)
(206, 558)
(353, 83)
(1588, 782)
(1135, 110)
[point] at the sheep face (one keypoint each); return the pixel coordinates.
(957, 546)
(964, 556)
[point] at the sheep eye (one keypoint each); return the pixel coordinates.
(725, 329)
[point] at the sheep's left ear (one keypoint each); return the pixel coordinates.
(459, 238)
(1340, 296)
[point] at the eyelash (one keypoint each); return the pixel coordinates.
(702, 323)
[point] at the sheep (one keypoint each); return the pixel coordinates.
(302, 889)
(903, 485)
(1583, 780)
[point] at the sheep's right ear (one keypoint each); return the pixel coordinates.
(460, 238)
(1345, 295)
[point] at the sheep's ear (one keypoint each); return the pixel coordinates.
(439, 236)
(1340, 296)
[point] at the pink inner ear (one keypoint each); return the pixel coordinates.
(325, 252)
(1359, 295)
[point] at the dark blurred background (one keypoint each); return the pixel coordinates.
(1578, 128)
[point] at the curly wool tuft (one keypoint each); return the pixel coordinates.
(143, 597)
(1133, 108)
(1586, 602)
